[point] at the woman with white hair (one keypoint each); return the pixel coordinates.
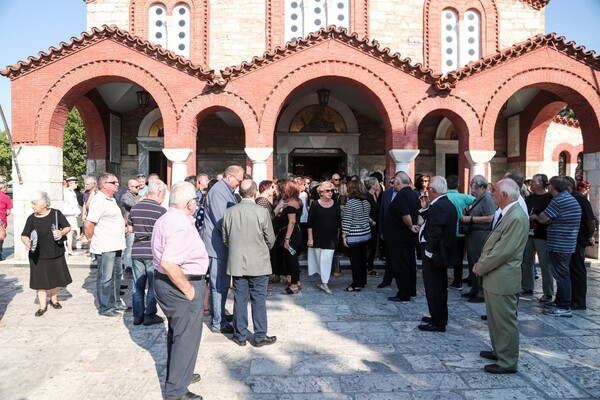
(44, 235)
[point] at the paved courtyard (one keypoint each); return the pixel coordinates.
(345, 346)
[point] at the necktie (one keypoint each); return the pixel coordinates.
(498, 221)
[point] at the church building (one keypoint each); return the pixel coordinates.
(179, 87)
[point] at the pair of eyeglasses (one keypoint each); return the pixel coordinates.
(328, 190)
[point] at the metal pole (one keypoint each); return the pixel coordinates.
(12, 148)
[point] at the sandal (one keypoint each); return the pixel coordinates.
(289, 290)
(352, 289)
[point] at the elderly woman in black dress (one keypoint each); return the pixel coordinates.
(44, 235)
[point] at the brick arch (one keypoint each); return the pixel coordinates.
(570, 87)
(74, 84)
(535, 135)
(571, 151)
(432, 11)
(345, 73)
(94, 129)
(199, 24)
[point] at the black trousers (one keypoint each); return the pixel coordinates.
(372, 248)
(578, 277)
(357, 253)
(292, 265)
(185, 331)
(436, 291)
(403, 264)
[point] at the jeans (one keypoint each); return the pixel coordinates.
(127, 262)
(143, 271)
(253, 288)
(219, 286)
(108, 282)
(561, 272)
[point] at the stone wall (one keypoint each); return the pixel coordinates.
(237, 32)
(109, 12)
(518, 22)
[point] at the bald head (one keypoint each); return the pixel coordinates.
(248, 189)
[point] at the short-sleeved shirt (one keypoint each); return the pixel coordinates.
(536, 204)
(47, 248)
(5, 204)
(176, 240)
(565, 213)
(109, 233)
(484, 206)
(460, 201)
(587, 214)
(142, 218)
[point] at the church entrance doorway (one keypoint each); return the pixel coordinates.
(316, 162)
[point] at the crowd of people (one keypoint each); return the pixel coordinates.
(188, 245)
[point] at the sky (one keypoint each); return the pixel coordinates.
(30, 26)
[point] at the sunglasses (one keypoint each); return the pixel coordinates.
(328, 190)
(113, 182)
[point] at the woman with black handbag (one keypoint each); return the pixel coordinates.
(44, 236)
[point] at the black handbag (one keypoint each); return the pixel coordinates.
(464, 228)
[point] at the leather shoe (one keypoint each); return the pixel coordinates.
(399, 299)
(496, 369)
(468, 295)
(152, 320)
(238, 341)
(432, 328)
(138, 320)
(195, 378)
(56, 306)
(187, 396)
(227, 330)
(427, 320)
(266, 341)
(488, 354)
(382, 285)
(41, 311)
(484, 317)
(229, 318)
(476, 299)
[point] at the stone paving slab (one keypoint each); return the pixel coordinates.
(348, 346)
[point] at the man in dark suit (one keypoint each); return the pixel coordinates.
(500, 269)
(248, 233)
(384, 205)
(440, 250)
(401, 239)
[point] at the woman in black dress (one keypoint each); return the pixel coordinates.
(323, 233)
(289, 236)
(43, 235)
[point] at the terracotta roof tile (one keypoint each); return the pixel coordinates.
(537, 4)
(333, 33)
(572, 122)
(107, 33)
(550, 40)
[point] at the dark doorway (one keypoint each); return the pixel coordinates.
(451, 164)
(314, 163)
(157, 164)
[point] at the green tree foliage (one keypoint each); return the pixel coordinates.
(75, 146)
(567, 112)
(5, 157)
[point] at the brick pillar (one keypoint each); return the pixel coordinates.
(259, 157)
(41, 169)
(480, 161)
(591, 173)
(403, 158)
(178, 158)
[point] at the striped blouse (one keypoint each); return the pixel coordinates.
(355, 218)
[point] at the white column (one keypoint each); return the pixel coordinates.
(479, 161)
(403, 158)
(259, 157)
(178, 158)
(41, 169)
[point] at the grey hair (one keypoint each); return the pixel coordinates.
(370, 182)
(156, 186)
(439, 184)
(232, 170)
(181, 194)
(103, 178)
(403, 177)
(42, 196)
(91, 178)
(509, 187)
(480, 181)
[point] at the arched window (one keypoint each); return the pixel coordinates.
(449, 40)
(157, 27)
(171, 32)
(579, 168)
(461, 39)
(304, 17)
(562, 163)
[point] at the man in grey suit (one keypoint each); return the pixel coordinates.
(248, 232)
(500, 269)
(219, 198)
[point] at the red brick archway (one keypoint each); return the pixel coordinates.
(94, 129)
(348, 74)
(570, 87)
(74, 84)
(534, 136)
